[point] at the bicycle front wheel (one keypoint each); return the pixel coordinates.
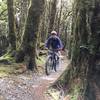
(48, 66)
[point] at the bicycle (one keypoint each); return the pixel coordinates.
(52, 62)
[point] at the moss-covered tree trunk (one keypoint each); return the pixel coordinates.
(43, 27)
(60, 15)
(85, 46)
(20, 18)
(31, 32)
(86, 40)
(52, 15)
(11, 25)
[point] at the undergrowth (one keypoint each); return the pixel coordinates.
(17, 68)
(74, 91)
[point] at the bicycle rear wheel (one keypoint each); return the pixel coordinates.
(48, 66)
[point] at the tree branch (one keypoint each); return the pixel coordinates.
(2, 12)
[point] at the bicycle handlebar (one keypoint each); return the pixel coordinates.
(55, 49)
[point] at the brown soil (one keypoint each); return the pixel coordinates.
(29, 86)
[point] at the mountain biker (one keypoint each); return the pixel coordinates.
(54, 43)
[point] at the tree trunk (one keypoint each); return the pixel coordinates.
(11, 24)
(21, 15)
(52, 15)
(60, 15)
(31, 32)
(85, 46)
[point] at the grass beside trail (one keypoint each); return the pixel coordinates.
(15, 68)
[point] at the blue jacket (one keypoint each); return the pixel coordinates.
(54, 42)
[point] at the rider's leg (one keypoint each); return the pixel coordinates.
(57, 59)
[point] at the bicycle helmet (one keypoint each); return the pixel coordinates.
(54, 32)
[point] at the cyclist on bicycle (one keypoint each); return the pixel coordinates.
(54, 43)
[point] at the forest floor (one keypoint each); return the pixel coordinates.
(29, 85)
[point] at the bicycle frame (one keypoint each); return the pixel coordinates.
(51, 62)
(54, 57)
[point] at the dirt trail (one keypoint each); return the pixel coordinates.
(29, 86)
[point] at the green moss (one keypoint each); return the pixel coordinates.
(41, 60)
(53, 93)
(75, 92)
(7, 57)
(6, 70)
(42, 45)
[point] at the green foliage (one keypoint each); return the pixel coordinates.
(42, 46)
(41, 60)
(75, 92)
(7, 57)
(3, 17)
(3, 5)
(54, 93)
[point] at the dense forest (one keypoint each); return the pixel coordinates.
(25, 25)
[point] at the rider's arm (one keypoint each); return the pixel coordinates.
(60, 44)
(47, 43)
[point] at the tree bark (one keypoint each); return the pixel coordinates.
(31, 32)
(20, 19)
(52, 15)
(11, 24)
(85, 45)
(86, 32)
(60, 15)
